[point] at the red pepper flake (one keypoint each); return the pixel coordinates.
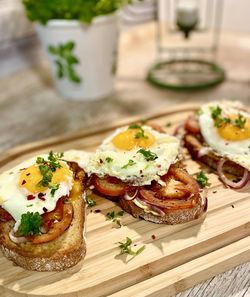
(45, 209)
(41, 196)
(153, 237)
(97, 210)
(101, 161)
(23, 182)
(30, 197)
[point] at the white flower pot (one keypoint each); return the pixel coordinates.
(82, 57)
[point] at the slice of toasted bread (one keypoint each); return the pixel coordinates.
(194, 144)
(59, 254)
(171, 217)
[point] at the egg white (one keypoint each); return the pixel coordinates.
(142, 172)
(237, 151)
(13, 198)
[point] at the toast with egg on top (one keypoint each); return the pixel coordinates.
(218, 135)
(142, 169)
(42, 213)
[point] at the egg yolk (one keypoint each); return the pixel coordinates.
(234, 133)
(129, 139)
(30, 177)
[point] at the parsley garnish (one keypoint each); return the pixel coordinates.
(115, 217)
(47, 167)
(240, 121)
(53, 188)
(109, 160)
(30, 224)
(202, 179)
(130, 163)
(219, 120)
(90, 202)
(126, 248)
(148, 155)
(215, 112)
(141, 133)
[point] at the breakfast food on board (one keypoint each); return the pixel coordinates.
(219, 136)
(140, 168)
(42, 213)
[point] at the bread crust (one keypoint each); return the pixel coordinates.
(194, 143)
(171, 217)
(59, 254)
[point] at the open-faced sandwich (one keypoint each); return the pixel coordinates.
(141, 168)
(42, 213)
(219, 136)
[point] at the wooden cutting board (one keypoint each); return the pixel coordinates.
(175, 258)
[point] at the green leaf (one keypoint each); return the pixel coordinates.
(240, 121)
(69, 45)
(109, 160)
(115, 217)
(53, 50)
(148, 155)
(90, 202)
(53, 188)
(202, 179)
(83, 10)
(30, 224)
(72, 60)
(130, 163)
(126, 248)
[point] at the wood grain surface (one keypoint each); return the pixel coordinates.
(179, 257)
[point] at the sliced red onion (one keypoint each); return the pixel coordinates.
(152, 207)
(16, 239)
(143, 202)
(158, 210)
(235, 185)
(128, 197)
(204, 151)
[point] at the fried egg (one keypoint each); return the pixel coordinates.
(225, 126)
(21, 190)
(135, 154)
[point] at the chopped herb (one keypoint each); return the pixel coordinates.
(115, 217)
(134, 126)
(130, 163)
(215, 112)
(109, 160)
(219, 121)
(47, 167)
(168, 124)
(53, 188)
(30, 224)
(126, 247)
(240, 121)
(90, 202)
(148, 155)
(202, 179)
(29, 205)
(141, 133)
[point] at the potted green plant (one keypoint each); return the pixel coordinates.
(80, 38)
